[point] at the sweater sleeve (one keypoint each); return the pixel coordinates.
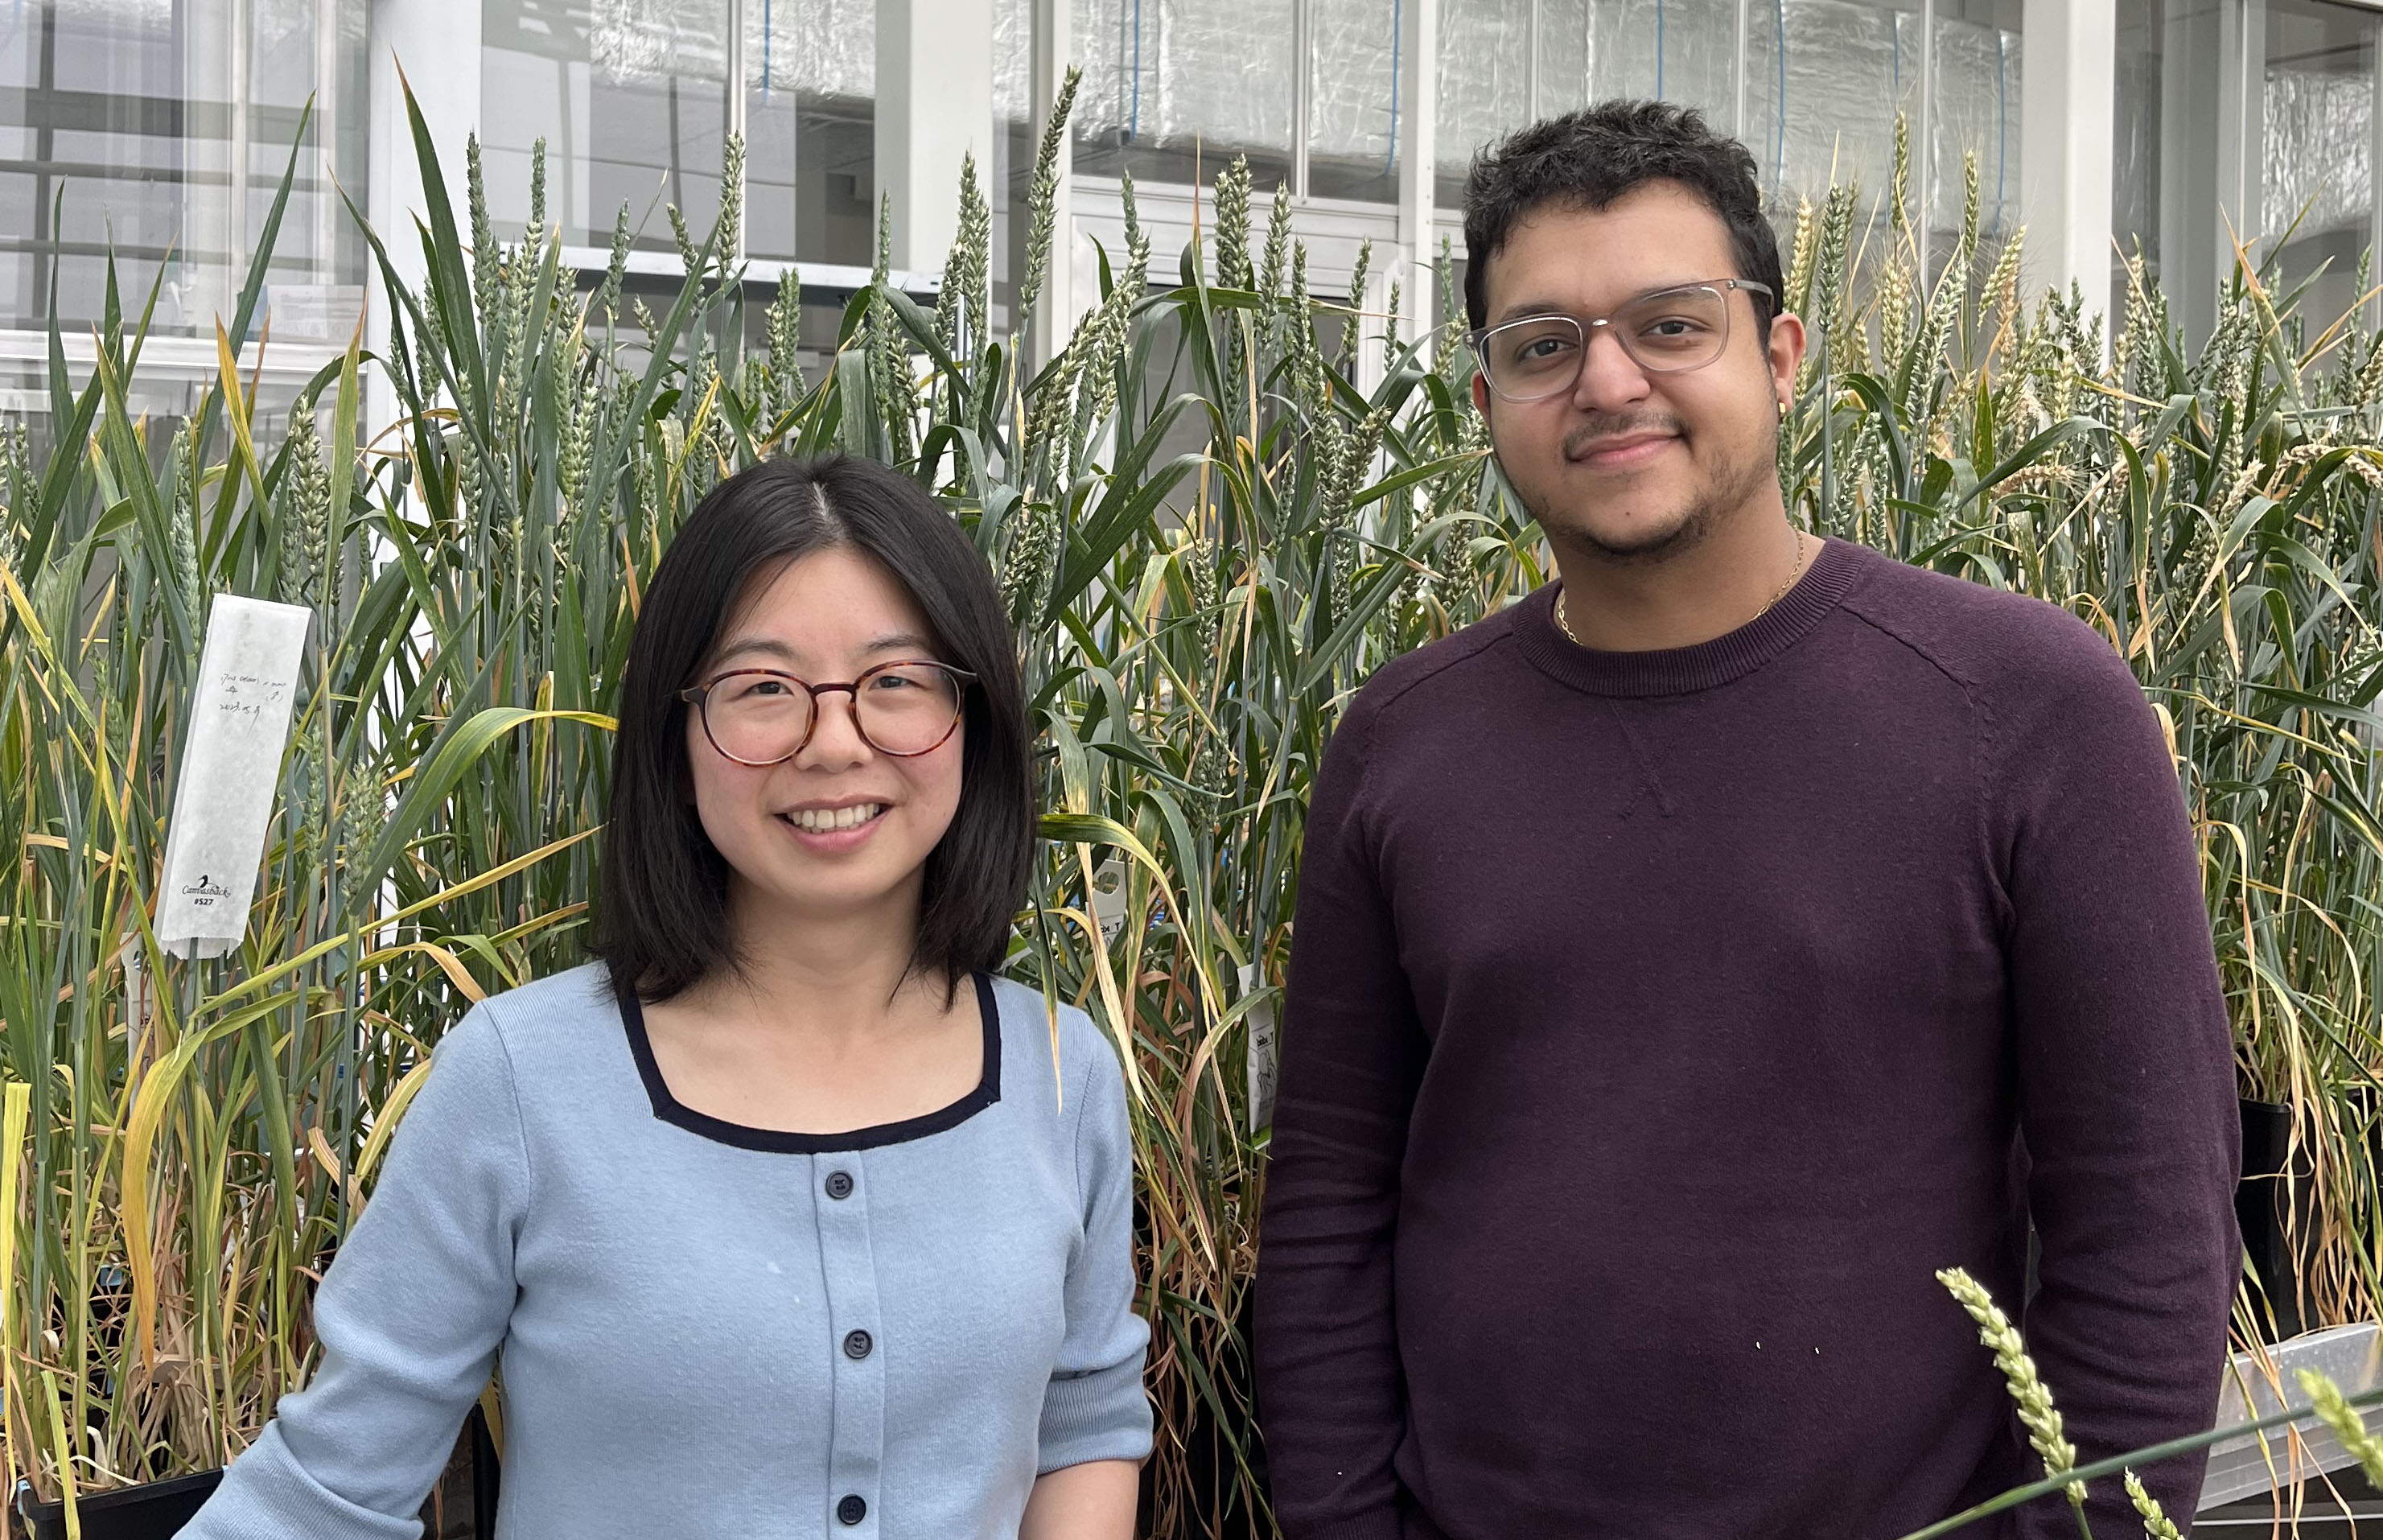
(409, 1315)
(1331, 1391)
(2125, 1075)
(1095, 1407)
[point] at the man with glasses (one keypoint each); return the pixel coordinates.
(1695, 957)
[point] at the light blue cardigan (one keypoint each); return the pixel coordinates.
(713, 1331)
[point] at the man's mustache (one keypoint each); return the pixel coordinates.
(1597, 430)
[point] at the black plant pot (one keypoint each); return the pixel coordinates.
(2277, 1216)
(153, 1511)
(158, 1510)
(462, 1504)
(1208, 1446)
(485, 1472)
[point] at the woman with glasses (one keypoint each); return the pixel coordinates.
(787, 1217)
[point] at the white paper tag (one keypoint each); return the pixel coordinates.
(139, 1000)
(1259, 1020)
(231, 765)
(1108, 897)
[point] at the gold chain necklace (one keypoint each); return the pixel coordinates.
(1789, 582)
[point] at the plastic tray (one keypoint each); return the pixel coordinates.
(2262, 1384)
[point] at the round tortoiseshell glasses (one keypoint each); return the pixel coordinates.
(761, 717)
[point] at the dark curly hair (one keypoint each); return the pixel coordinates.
(1593, 156)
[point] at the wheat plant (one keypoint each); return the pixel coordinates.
(1208, 534)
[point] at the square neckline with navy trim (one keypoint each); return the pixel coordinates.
(670, 1110)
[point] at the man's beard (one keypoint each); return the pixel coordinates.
(1708, 508)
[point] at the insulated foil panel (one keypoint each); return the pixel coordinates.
(1102, 37)
(1353, 100)
(640, 40)
(1116, 43)
(1977, 108)
(1485, 61)
(1217, 73)
(1684, 51)
(2317, 152)
(1821, 110)
(1563, 55)
(1013, 60)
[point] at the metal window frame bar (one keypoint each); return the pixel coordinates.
(1303, 89)
(192, 360)
(2243, 116)
(1533, 108)
(1924, 184)
(329, 95)
(818, 277)
(734, 116)
(243, 57)
(1050, 49)
(1418, 164)
(2371, 307)
(1738, 73)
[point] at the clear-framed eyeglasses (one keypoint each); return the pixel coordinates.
(761, 717)
(1665, 332)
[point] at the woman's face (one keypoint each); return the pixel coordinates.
(841, 829)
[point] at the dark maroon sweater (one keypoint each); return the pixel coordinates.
(1659, 1023)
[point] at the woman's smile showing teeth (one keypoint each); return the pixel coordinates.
(835, 827)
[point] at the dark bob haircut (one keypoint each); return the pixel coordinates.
(1590, 159)
(662, 888)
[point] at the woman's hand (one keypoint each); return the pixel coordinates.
(1091, 1501)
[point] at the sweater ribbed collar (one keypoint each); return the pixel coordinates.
(1685, 671)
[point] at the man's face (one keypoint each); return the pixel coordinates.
(1633, 463)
